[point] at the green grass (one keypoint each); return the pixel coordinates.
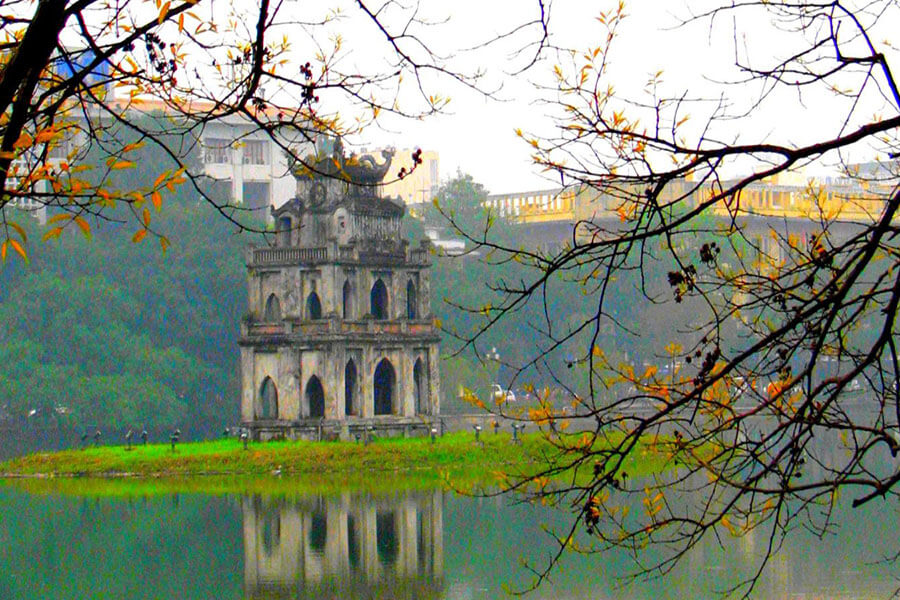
(454, 452)
(384, 465)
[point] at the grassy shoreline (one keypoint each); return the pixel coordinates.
(289, 468)
(453, 453)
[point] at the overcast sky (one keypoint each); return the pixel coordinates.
(477, 135)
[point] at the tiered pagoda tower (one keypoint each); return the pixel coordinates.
(339, 338)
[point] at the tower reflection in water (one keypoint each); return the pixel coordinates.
(348, 545)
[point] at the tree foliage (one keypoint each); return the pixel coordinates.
(72, 69)
(97, 332)
(772, 381)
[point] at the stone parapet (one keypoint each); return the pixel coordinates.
(350, 428)
(349, 255)
(308, 330)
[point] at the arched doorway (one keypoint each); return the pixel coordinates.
(268, 400)
(384, 387)
(313, 307)
(315, 398)
(411, 311)
(420, 387)
(350, 388)
(273, 309)
(379, 300)
(348, 300)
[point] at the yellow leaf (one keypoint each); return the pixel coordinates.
(181, 23)
(53, 233)
(138, 198)
(160, 179)
(3, 251)
(164, 243)
(60, 217)
(24, 141)
(18, 228)
(133, 146)
(146, 217)
(18, 248)
(122, 164)
(163, 11)
(139, 235)
(84, 226)
(45, 135)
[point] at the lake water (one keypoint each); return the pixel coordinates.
(429, 544)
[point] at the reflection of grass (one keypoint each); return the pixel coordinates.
(383, 465)
(283, 486)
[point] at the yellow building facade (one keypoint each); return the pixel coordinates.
(841, 200)
(420, 185)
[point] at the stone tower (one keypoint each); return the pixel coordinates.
(339, 338)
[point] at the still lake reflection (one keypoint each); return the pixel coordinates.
(420, 545)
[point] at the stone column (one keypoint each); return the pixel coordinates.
(434, 381)
(406, 384)
(248, 384)
(365, 377)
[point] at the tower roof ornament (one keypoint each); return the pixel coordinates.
(363, 170)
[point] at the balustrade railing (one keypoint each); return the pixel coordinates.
(280, 256)
(329, 326)
(296, 255)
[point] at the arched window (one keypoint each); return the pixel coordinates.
(348, 300)
(268, 400)
(350, 388)
(411, 312)
(313, 307)
(384, 388)
(379, 300)
(284, 231)
(273, 309)
(315, 398)
(420, 387)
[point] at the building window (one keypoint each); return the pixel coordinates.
(384, 382)
(350, 388)
(268, 400)
(348, 300)
(379, 301)
(315, 398)
(273, 310)
(313, 307)
(217, 151)
(284, 231)
(411, 302)
(256, 152)
(256, 195)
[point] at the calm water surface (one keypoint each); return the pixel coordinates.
(354, 545)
